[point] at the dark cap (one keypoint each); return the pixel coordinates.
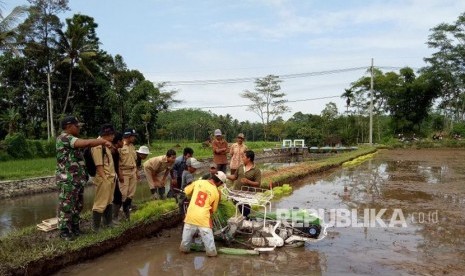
(107, 129)
(129, 132)
(69, 120)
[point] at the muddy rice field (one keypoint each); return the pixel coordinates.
(401, 213)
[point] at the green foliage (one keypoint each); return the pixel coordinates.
(153, 210)
(459, 128)
(404, 96)
(226, 209)
(445, 66)
(287, 189)
(277, 192)
(284, 175)
(17, 146)
(200, 151)
(100, 88)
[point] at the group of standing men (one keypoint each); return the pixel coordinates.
(115, 160)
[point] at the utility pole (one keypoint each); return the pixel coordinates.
(48, 123)
(50, 102)
(371, 104)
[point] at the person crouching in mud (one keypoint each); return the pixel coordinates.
(204, 202)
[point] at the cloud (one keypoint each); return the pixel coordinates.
(287, 20)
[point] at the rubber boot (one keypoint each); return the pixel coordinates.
(161, 192)
(126, 206)
(96, 219)
(76, 230)
(116, 208)
(154, 192)
(67, 235)
(108, 216)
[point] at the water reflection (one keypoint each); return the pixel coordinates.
(30, 210)
(138, 259)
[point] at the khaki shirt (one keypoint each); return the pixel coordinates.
(157, 164)
(107, 162)
(254, 174)
(128, 157)
(236, 152)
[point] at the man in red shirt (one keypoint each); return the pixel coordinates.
(220, 149)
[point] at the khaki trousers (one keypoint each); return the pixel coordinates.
(128, 188)
(154, 181)
(105, 187)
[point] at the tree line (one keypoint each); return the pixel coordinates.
(50, 68)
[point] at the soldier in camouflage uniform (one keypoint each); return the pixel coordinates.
(71, 175)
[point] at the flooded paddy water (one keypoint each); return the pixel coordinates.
(19, 212)
(420, 231)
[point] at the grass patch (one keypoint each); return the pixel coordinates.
(26, 245)
(200, 151)
(21, 169)
(289, 174)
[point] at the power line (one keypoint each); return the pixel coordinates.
(249, 79)
(247, 105)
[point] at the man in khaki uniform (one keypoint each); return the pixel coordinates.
(104, 179)
(128, 167)
(157, 170)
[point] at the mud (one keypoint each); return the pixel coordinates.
(420, 231)
(45, 266)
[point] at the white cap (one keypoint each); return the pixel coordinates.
(192, 162)
(218, 132)
(143, 150)
(221, 176)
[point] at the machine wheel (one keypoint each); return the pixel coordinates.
(314, 231)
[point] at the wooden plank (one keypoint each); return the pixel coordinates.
(51, 222)
(45, 228)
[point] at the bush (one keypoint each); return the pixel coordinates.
(50, 148)
(459, 128)
(17, 146)
(4, 156)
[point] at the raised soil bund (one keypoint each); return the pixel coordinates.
(47, 266)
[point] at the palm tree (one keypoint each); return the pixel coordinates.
(349, 95)
(10, 118)
(78, 45)
(8, 28)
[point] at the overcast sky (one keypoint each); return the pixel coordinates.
(215, 40)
